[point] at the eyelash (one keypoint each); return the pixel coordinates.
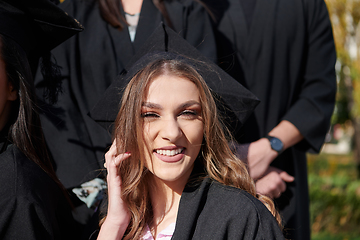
(149, 114)
(188, 113)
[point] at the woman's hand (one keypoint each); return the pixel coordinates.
(118, 217)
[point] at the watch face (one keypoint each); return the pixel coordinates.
(276, 144)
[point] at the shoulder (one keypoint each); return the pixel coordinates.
(30, 200)
(21, 177)
(226, 201)
(224, 212)
(315, 11)
(236, 199)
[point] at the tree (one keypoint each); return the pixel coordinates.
(345, 16)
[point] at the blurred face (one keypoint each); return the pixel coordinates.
(6, 95)
(173, 128)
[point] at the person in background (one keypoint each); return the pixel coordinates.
(171, 172)
(114, 31)
(282, 51)
(34, 204)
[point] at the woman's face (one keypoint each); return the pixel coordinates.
(173, 127)
(6, 95)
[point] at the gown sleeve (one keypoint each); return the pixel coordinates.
(312, 111)
(23, 219)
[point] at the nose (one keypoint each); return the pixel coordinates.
(171, 130)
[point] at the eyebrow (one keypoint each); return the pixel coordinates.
(151, 105)
(158, 106)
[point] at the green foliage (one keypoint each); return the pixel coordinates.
(334, 197)
(329, 236)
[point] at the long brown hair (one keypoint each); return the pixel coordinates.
(219, 161)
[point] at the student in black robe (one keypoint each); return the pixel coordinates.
(91, 60)
(171, 172)
(34, 204)
(283, 51)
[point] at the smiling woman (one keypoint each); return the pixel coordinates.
(171, 172)
(173, 128)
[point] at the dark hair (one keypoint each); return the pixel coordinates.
(111, 13)
(25, 131)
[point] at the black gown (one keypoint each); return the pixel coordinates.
(286, 57)
(218, 212)
(211, 210)
(32, 206)
(90, 61)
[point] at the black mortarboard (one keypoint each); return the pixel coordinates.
(165, 43)
(36, 25)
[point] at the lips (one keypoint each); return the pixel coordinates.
(170, 154)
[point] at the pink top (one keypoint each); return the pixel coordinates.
(165, 234)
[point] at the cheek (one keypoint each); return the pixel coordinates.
(195, 134)
(148, 140)
(148, 134)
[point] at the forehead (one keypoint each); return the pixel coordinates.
(171, 88)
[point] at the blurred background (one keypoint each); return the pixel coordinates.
(334, 174)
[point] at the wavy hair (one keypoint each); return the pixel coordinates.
(219, 161)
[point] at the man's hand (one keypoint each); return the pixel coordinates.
(260, 155)
(273, 183)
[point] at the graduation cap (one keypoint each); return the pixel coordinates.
(232, 98)
(36, 25)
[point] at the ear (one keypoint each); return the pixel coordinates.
(12, 94)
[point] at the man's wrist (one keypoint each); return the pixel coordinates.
(276, 144)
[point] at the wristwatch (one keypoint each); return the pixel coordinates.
(276, 144)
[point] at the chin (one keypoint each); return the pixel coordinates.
(173, 175)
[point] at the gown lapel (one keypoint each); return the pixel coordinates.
(122, 45)
(191, 203)
(249, 41)
(262, 23)
(237, 18)
(150, 18)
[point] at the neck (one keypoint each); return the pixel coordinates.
(132, 6)
(164, 196)
(165, 199)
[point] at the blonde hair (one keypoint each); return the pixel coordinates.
(219, 161)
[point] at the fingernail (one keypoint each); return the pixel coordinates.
(128, 153)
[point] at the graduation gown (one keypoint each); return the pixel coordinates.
(210, 210)
(286, 58)
(32, 204)
(89, 62)
(218, 212)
